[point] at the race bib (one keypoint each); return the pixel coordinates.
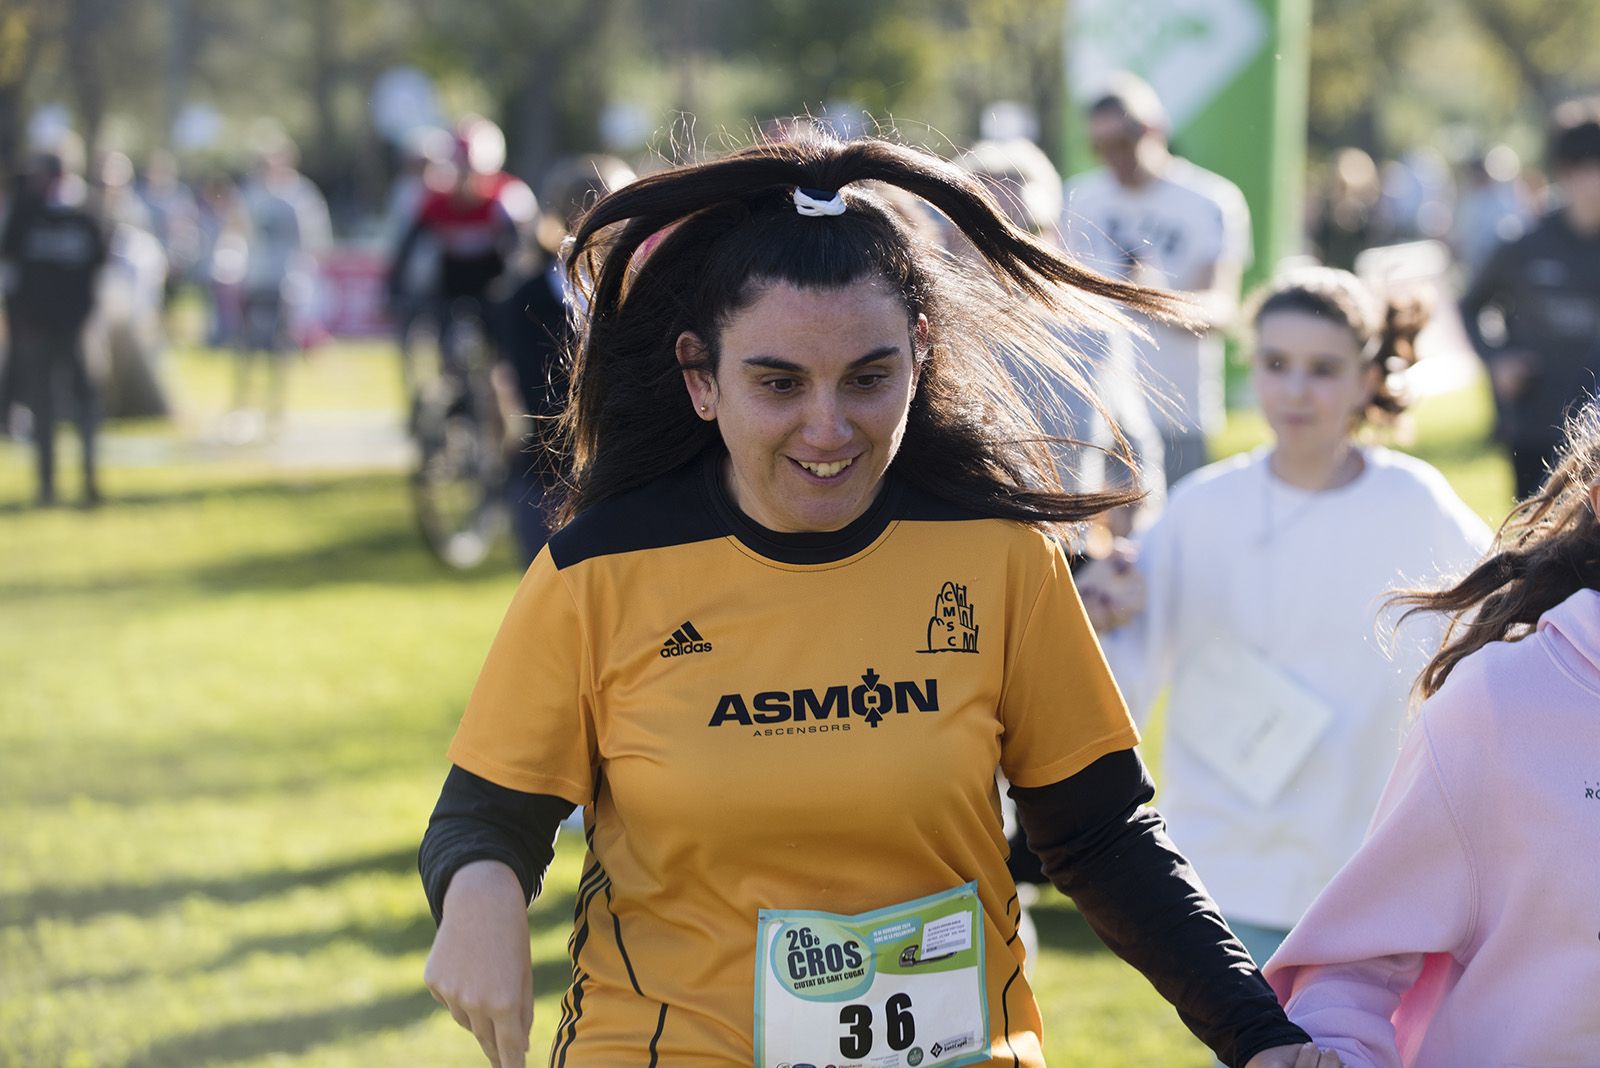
(1246, 719)
(900, 986)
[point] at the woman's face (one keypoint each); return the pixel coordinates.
(811, 395)
(1310, 380)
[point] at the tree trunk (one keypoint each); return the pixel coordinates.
(181, 48)
(532, 115)
(86, 20)
(10, 134)
(323, 163)
(1514, 41)
(20, 27)
(1049, 97)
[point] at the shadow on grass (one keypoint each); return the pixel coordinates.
(215, 486)
(290, 1034)
(146, 898)
(388, 555)
(1062, 929)
(412, 935)
(377, 543)
(300, 1032)
(222, 766)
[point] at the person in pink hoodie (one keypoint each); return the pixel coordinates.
(1466, 930)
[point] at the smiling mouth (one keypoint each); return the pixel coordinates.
(827, 470)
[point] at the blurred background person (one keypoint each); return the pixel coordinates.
(174, 217)
(1259, 600)
(1347, 223)
(1492, 207)
(533, 327)
(220, 269)
(125, 340)
(1094, 425)
(1029, 189)
(286, 220)
(1533, 310)
(426, 158)
(53, 247)
(1159, 220)
(1418, 195)
(475, 215)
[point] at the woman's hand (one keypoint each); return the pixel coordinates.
(1306, 1056)
(481, 966)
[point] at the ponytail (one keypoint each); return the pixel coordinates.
(684, 249)
(1395, 354)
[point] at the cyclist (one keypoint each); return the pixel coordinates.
(533, 327)
(475, 214)
(470, 218)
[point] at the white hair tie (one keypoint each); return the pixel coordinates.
(818, 202)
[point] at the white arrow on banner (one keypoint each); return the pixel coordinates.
(1188, 50)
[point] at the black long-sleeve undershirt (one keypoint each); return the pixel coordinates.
(476, 819)
(1101, 846)
(1098, 843)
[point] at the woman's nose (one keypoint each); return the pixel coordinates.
(826, 426)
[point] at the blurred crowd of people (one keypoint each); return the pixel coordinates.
(1248, 581)
(457, 227)
(1486, 198)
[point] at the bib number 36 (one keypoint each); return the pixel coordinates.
(898, 987)
(900, 1027)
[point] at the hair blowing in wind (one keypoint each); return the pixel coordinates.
(683, 249)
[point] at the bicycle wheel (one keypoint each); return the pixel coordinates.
(418, 350)
(458, 486)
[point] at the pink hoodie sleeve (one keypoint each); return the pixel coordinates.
(1408, 893)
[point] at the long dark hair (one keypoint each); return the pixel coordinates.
(683, 249)
(1385, 329)
(1547, 549)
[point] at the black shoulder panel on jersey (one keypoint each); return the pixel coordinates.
(672, 510)
(691, 504)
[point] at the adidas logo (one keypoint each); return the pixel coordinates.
(684, 640)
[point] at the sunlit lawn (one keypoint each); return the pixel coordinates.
(224, 700)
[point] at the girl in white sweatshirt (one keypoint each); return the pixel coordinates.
(1262, 582)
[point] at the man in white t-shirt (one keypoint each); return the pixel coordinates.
(1154, 218)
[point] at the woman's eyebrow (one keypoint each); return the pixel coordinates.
(776, 364)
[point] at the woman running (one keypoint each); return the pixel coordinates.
(804, 601)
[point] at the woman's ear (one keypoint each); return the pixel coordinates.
(1594, 497)
(698, 378)
(919, 348)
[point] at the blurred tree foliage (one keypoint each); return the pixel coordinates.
(1358, 50)
(1551, 46)
(20, 34)
(1385, 72)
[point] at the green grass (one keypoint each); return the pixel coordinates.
(224, 702)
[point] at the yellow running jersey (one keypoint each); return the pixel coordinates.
(780, 721)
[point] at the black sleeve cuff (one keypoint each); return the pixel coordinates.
(1101, 846)
(476, 819)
